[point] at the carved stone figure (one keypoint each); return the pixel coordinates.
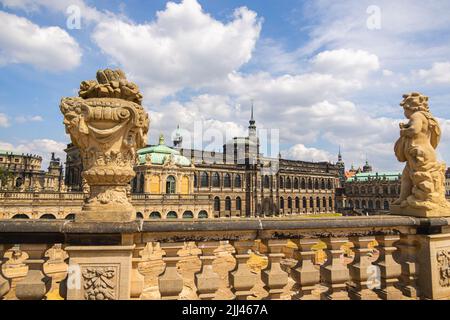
(108, 124)
(422, 190)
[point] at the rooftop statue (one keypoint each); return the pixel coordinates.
(423, 179)
(108, 124)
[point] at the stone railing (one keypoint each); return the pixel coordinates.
(386, 257)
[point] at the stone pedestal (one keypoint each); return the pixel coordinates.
(99, 272)
(420, 213)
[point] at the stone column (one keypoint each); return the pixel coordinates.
(274, 278)
(390, 270)
(361, 269)
(305, 274)
(99, 272)
(108, 124)
(207, 281)
(334, 272)
(242, 279)
(170, 282)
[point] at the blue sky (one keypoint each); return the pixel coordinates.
(317, 71)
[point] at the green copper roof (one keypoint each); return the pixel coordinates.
(14, 153)
(365, 176)
(159, 153)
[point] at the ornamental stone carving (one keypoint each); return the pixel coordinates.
(423, 179)
(443, 262)
(99, 283)
(108, 124)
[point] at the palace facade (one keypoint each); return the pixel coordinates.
(238, 182)
(22, 172)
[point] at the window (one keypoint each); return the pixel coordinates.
(322, 185)
(386, 205)
(318, 202)
(363, 204)
(289, 203)
(216, 204)
(227, 181)
(227, 203)
(238, 204)
(303, 183)
(324, 202)
(288, 183)
(357, 206)
(281, 203)
(195, 181)
(281, 183)
(311, 202)
(172, 215)
(370, 204)
(19, 182)
(170, 185)
(188, 215)
(155, 215)
(47, 216)
(20, 216)
(204, 180)
(330, 185)
(330, 202)
(377, 204)
(266, 182)
(141, 183)
(203, 214)
(237, 181)
(296, 183)
(215, 180)
(310, 183)
(70, 216)
(305, 204)
(316, 184)
(297, 203)
(350, 204)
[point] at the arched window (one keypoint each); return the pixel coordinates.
(216, 204)
(238, 204)
(170, 184)
(134, 185)
(357, 206)
(281, 203)
(350, 204)
(19, 182)
(237, 181)
(318, 202)
(70, 216)
(377, 204)
(48, 216)
(329, 184)
(386, 205)
(227, 181)
(370, 204)
(155, 215)
(172, 215)
(203, 214)
(363, 204)
(288, 183)
(324, 202)
(139, 215)
(195, 181)
(228, 203)
(322, 184)
(215, 179)
(266, 182)
(316, 184)
(305, 203)
(363, 190)
(330, 202)
(204, 179)
(289, 203)
(303, 183)
(21, 216)
(188, 215)
(310, 185)
(281, 183)
(297, 203)
(296, 183)
(311, 202)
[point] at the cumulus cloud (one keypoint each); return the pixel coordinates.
(183, 47)
(48, 48)
(4, 120)
(25, 119)
(301, 152)
(439, 73)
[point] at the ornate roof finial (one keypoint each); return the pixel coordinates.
(161, 139)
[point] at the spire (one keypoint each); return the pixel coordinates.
(252, 120)
(339, 154)
(178, 139)
(252, 126)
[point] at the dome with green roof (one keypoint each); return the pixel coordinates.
(160, 153)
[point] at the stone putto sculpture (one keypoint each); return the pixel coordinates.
(108, 124)
(423, 179)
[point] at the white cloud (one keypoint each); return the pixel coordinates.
(438, 74)
(4, 120)
(49, 48)
(301, 152)
(346, 63)
(25, 119)
(183, 47)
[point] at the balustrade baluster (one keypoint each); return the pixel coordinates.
(410, 267)
(361, 270)
(274, 278)
(334, 272)
(242, 279)
(171, 282)
(14, 269)
(305, 274)
(207, 281)
(137, 279)
(390, 270)
(56, 269)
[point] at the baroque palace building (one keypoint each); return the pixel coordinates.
(22, 172)
(177, 182)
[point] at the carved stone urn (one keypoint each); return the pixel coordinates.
(108, 124)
